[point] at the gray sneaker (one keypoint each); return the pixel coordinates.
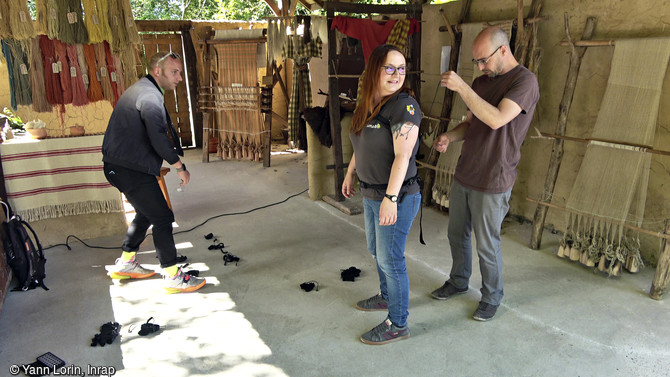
(183, 282)
(446, 291)
(130, 270)
(385, 332)
(485, 311)
(373, 303)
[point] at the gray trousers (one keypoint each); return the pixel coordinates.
(484, 213)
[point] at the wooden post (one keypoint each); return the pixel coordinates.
(576, 54)
(447, 103)
(205, 136)
(662, 276)
(334, 110)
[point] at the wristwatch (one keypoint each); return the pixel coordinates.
(392, 198)
(182, 168)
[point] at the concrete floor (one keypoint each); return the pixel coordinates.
(252, 319)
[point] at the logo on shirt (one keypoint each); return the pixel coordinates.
(410, 109)
(374, 125)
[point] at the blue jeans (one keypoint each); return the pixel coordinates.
(484, 213)
(387, 246)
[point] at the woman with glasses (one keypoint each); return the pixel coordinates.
(385, 138)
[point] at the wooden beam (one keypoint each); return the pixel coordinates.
(583, 43)
(163, 25)
(581, 140)
(576, 55)
(274, 6)
(662, 275)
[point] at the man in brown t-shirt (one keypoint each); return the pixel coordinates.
(500, 108)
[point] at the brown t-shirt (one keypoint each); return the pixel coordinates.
(489, 157)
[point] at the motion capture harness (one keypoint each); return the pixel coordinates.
(384, 121)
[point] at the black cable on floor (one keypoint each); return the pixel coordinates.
(67, 240)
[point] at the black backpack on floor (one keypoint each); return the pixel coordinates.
(26, 261)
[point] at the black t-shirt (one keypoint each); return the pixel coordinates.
(373, 148)
(489, 157)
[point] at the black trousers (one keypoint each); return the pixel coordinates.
(144, 194)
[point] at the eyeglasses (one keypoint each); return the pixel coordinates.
(485, 61)
(390, 70)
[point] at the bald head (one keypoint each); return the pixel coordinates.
(492, 46)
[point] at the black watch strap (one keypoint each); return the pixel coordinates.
(182, 168)
(393, 198)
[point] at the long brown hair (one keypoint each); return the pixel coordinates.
(366, 110)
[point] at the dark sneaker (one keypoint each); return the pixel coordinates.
(183, 282)
(485, 311)
(373, 303)
(130, 270)
(385, 332)
(446, 291)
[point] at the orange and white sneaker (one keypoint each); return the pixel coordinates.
(130, 269)
(183, 282)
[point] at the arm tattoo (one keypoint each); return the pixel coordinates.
(402, 130)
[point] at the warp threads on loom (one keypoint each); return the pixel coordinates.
(94, 85)
(101, 64)
(40, 102)
(53, 90)
(5, 31)
(17, 68)
(63, 71)
(19, 20)
(118, 27)
(78, 89)
(71, 22)
(53, 25)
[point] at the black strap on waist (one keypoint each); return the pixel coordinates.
(411, 181)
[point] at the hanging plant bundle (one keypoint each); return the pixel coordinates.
(5, 31)
(79, 97)
(37, 83)
(52, 86)
(63, 71)
(94, 92)
(19, 20)
(71, 22)
(53, 25)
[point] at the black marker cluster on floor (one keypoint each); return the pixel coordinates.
(350, 274)
(108, 332)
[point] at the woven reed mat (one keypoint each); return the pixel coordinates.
(446, 164)
(611, 185)
(57, 177)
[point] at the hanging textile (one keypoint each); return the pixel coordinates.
(42, 22)
(94, 92)
(96, 21)
(126, 14)
(301, 52)
(103, 73)
(20, 22)
(71, 29)
(52, 86)
(601, 202)
(63, 70)
(53, 25)
(79, 97)
(117, 26)
(5, 30)
(17, 68)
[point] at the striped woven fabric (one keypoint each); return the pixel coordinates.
(399, 34)
(57, 177)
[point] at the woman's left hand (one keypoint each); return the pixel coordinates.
(388, 212)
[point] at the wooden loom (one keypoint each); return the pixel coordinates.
(231, 103)
(577, 50)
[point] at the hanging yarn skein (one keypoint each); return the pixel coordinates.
(71, 22)
(18, 72)
(41, 24)
(83, 66)
(111, 70)
(63, 70)
(19, 20)
(5, 30)
(129, 66)
(131, 27)
(103, 19)
(53, 25)
(52, 87)
(92, 21)
(78, 88)
(101, 64)
(118, 67)
(94, 85)
(40, 102)
(118, 27)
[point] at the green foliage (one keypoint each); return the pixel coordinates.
(13, 120)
